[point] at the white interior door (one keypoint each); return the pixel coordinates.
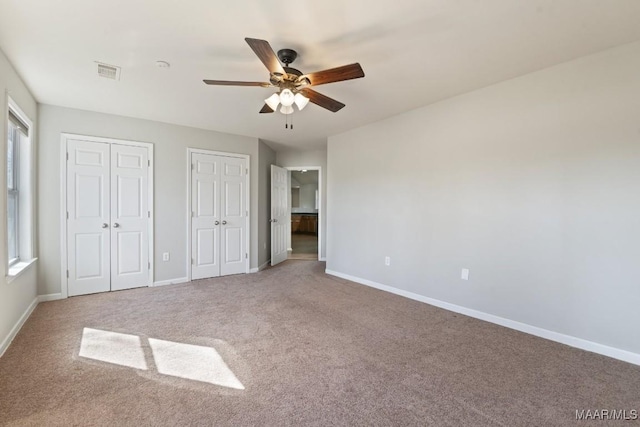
(108, 217)
(205, 216)
(129, 217)
(218, 215)
(279, 211)
(234, 213)
(88, 236)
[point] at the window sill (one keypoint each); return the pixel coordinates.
(16, 270)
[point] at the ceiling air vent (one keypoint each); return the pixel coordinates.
(108, 71)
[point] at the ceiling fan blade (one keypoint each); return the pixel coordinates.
(346, 72)
(232, 83)
(266, 109)
(322, 100)
(263, 49)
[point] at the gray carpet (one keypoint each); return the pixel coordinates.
(298, 348)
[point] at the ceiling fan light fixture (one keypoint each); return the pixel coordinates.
(301, 101)
(273, 101)
(292, 85)
(286, 98)
(286, 109)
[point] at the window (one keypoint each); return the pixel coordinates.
(16, 131)
(19, 190)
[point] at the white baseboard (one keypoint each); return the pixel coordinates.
(16, 328)
(569, 340)
(262, 267)
(171, 281)
(49, 297)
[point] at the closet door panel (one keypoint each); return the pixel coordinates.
(234, 224)
(205, 216)
(129, 217)
(88, 263)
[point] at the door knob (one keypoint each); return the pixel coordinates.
(224, 222)
(275, 220)
(216, 223)
(116, 225)
(105, 225)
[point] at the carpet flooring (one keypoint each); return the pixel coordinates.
(292, 346)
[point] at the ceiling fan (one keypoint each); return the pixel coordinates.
(293, 85)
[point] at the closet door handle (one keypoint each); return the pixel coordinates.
(224, 222)
(116, 225)
(105, 225)
(216, 223)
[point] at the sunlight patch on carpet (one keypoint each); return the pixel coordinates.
(193, 362)
(187, 361)
(113, 347)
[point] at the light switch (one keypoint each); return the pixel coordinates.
(465, 274)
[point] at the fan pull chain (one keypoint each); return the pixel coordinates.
(286, 121)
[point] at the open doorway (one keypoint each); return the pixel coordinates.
(304, 213)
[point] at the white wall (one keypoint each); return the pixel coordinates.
(292, 158)
(307, 198)
(533, 184)
(15, 297)
(170, 151)
(267, 157)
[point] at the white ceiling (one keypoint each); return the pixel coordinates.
(305, 178)
(413, 52)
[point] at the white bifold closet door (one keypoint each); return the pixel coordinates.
(108, 217)
(218, 215)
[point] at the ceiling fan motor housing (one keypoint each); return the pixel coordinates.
(293, 79)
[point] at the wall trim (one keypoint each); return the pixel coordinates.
(4, 345)
(569, 340)
(50, 297)
(177, 281)
(262, 267)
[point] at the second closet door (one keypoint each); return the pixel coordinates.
(218, 211)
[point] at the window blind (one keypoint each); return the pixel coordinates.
(18, 123)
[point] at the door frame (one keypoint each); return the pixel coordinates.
(247, 243)
(64, 137)
(320, 216)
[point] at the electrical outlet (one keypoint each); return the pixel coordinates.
(387, 260)
(465, 274)
(165, 256)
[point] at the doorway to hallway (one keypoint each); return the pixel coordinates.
(304, 190)
(296, 218)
